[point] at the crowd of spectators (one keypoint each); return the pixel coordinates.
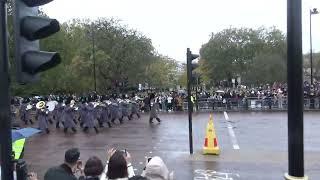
(117, 167)
(176, 100)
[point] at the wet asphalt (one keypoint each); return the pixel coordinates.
(253, 145)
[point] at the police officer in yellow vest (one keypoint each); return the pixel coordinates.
(18, 148)
(193, 101)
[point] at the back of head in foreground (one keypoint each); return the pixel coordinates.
(117, 167)
(157, 170)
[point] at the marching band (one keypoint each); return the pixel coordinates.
(69, 113)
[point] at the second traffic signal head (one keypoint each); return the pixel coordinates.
(191, 66)
(29, 29)
(190, 56)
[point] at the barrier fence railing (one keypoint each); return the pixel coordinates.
(250, 103)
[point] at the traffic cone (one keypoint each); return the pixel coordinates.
(211, 141)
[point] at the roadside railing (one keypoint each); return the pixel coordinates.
(250, 103)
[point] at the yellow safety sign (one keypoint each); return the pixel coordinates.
(211, 141)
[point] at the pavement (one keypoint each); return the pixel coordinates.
(253, 145)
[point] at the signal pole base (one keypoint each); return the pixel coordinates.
(288, 177)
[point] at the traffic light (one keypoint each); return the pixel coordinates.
(191, 66)
(29, 29)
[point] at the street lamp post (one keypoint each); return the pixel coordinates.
(312, 12)
(94, 58)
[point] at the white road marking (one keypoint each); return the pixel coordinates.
(214, 175)
(231, 132)
(150, 152)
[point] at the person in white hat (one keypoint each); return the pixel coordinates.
(157, 170)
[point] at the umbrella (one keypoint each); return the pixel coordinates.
(23, 133)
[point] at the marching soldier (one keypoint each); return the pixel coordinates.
(58, 114)
(89, 119)
(115, 112)
(153, 107)
(134, 109)
(124, 108)
(27, 114)
(23, 113)
(97, 113)
(68, 118)
(82, 113)
(105, 113)
(42, 116)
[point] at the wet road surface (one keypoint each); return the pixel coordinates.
(253, 145)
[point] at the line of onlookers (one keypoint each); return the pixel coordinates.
(118, 166)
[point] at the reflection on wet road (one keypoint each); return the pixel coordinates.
(261, 138)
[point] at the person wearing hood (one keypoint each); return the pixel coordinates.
(157, 170)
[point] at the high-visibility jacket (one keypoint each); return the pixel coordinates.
(192, 99)
(17, 148)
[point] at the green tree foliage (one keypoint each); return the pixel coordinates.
(316, 61)
(257, 55)
(123, 57)
(183, 78)
(307, 67)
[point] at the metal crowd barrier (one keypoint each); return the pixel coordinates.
(250, 103)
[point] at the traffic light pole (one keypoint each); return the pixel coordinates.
(5, 118)
(295, 91)
(190, 108)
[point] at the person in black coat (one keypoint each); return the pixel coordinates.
(66, 171)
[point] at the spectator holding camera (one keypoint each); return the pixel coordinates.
(67, 170)
(118, 166)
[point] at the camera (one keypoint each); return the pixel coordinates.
(124, 152)
(148, 160)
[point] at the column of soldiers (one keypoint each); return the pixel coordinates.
(88, 114)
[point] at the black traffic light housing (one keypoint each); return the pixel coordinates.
(191, 66)
(29, 29)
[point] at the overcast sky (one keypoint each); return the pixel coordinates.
(174, 25)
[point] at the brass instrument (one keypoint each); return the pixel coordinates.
(41, 105)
